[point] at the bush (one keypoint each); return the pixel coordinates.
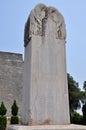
(14, 108)
(76, 118)
(14, 120)
(3, 122)
(3, 109)
(3, 119)
(84, 113)
(14, 112)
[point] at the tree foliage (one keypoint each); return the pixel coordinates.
(76, 118)
(14, 111)
(3, 119)
(83, 93)
(84, 85)
(74, 94)
(84, 113)
(14, 108)
(14, 120)
(3, 122)
(76, 97)
(3, 109)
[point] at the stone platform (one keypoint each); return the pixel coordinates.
(47, 127)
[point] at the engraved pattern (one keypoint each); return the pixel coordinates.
(36, 23)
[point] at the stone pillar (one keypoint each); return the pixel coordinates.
(45, 91)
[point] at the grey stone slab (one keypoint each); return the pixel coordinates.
(48, 127)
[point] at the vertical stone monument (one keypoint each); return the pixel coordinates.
(45, 92)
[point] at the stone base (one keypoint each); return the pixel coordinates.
(47, 127)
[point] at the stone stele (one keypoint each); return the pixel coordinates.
(45, 92)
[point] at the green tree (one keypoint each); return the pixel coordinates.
(83, 93)
(84, 85)
(84, 113)
(84, 102)
(76, 118)
(74, 94)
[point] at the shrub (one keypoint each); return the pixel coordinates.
(14, 112)
(3, 122)
(3, 119)
(76, 118)
(3, 109)
(14, 119)
(14, 108)
(84, 113)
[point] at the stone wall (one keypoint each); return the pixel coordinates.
(11, 79)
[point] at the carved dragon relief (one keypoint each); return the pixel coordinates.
(36, 23)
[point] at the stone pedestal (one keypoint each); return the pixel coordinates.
(45, 92)
(50, 127)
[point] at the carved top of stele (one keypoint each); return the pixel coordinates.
(38, 19)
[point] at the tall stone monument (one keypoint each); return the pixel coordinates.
(45, 92)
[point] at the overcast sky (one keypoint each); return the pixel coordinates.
(14, 13)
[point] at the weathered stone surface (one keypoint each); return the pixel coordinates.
(38, 19)
(11, 79)
(45, 93)
(49, 127)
